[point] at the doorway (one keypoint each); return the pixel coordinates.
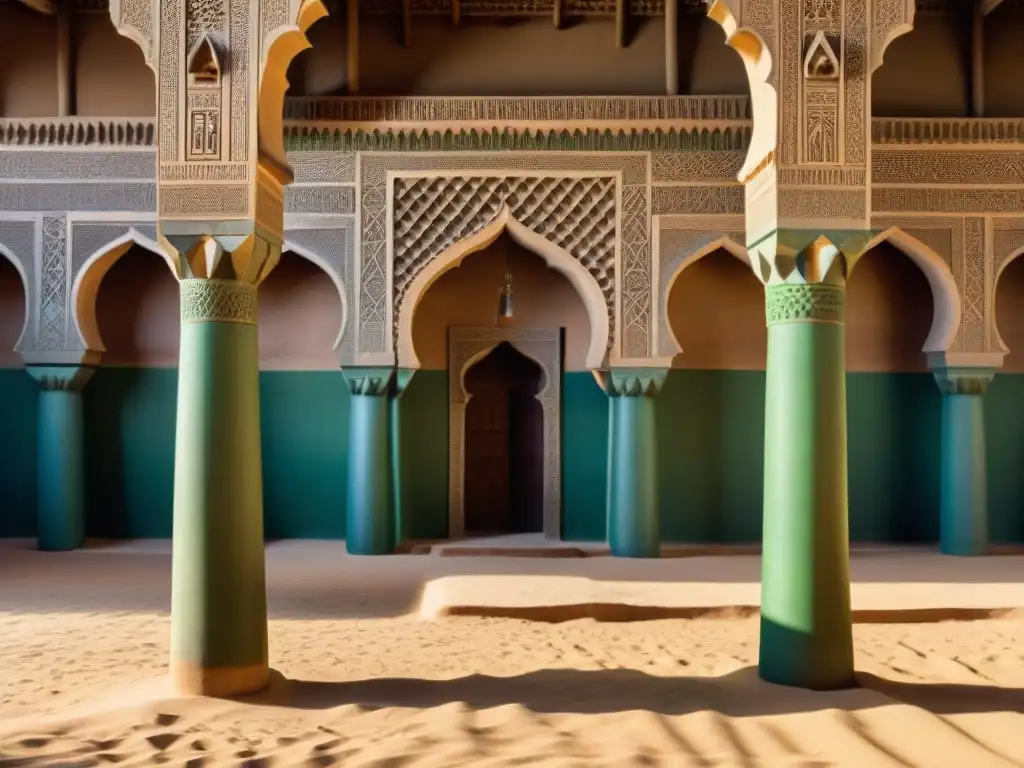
(504, 445)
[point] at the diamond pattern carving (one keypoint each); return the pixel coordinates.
(576, 213)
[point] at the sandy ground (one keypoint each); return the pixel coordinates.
(361, 682)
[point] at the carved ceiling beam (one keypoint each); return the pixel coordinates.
(352, 27)
(406, 23)
(43, 6)
(621, 12)
(558, 14)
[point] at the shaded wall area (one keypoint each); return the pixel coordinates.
(110, 76)
(710, 413)
(514, 57)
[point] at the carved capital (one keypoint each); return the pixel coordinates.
(369, 382)
(217, 301)
(804, 303)
(61, 378)
(632, 382)
(963, 381)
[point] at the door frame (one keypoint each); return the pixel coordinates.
(467, 346)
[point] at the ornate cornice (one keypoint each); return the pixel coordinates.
(78, 131)
(947, 130)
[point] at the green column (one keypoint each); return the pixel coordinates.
(806, 630)
(60, 471)
(218, 595)
(369, 520)
(401, 522)
(963, 504)
(633, 529)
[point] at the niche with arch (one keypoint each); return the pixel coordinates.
(12, 313)
(893, 403)
(711, 462)
(1004, 417)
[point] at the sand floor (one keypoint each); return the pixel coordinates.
(84, 638)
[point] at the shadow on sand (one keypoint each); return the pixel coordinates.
(739, 694)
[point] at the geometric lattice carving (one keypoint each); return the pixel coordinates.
(221, 301)
(53, 293)
(18, 239)
(432, 213)
(466, 346)
(375, 301)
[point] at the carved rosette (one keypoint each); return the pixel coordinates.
(804, 303)
(217, 301)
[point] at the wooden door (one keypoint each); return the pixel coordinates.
(503, 449)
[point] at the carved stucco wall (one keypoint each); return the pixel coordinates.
(465, 347)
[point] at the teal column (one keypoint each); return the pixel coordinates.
(218, 592)
(963, 497)
(806, 629)
(401, 521)
(60, 470)
(369, 519)
(633, 528)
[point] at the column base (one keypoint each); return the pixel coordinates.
(218, 682)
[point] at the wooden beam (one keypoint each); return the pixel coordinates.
(65, 61)
(621, 10)
(353, 46)
(672, 47)
(456, 12)
(559, 21)
(978, 63)
(407, 23)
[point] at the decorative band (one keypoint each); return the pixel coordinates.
(804, 303)
(217, 301)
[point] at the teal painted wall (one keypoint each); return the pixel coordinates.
(710, 440)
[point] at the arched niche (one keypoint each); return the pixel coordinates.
(136, 314)
(102, 57)
(1009, 312)
(467, 346)
(685, 253)
(944, 317)
(893, 404)
(710, 467)
(301, 315)
(555, 257)
(926, 73)
(469, 296)
(13, 310)
(95, 262)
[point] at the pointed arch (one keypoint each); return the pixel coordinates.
(8, 254)
(1002, 262)
(85, 288)
(668, 345)
(323, 264)
(764, 103)
(555, 256)
(945, 295)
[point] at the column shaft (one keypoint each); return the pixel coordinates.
(806, 630)
(219, 606)
(963, 496)
(633, 525)
(61, 471)
(370, 525)
(399, 532)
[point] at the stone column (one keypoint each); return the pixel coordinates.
(61, 465)
(806, 630)
(633, 528)
(403, 376)
(369, 519)
(218, 595)
(963, 504)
